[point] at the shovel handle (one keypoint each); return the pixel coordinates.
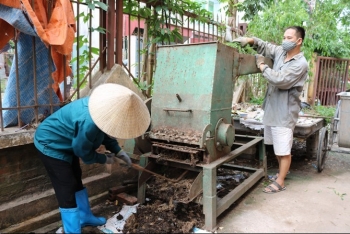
(139, 168)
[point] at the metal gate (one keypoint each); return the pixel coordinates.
(332, 76)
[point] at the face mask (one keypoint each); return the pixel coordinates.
(288, 45)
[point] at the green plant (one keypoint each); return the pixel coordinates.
(3, 85)
(82, 41)
(166, 13)
(326, 112)
(327, 25)
(241, 50)
(160, 18)
(8, 58)
(257, 100)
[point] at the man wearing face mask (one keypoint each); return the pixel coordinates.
(281, 104)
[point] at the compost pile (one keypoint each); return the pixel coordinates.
(164, 213)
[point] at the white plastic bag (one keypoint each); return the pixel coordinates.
(113, 225)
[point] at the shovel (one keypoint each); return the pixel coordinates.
(139, 168)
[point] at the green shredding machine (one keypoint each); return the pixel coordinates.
(191, 124)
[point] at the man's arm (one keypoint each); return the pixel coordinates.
(287, 78)
(262, 47)
(266, 49)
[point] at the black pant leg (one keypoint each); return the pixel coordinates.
(77, 173)
(65, 179)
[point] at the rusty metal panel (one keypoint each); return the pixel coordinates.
(194, 86)
(331, 78)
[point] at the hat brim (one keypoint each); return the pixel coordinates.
(118, 111)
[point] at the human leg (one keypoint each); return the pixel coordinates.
(63, 181)
(282, 143)
(285, 162)
(86, 216)
(268, 141)
(82, 200)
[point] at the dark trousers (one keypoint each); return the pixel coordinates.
(65, 179)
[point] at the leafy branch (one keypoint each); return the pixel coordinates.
(162, 22)
(82, 40)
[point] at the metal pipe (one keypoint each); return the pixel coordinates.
(90, 45)
(17, 82)
(138, 36)
(64, 78)
(1, 117)
(49, 10)
(110, 33)
(34, 75)
(78, 54)
(102, 56)
(182, 28)
(129, 43)
(31, 106)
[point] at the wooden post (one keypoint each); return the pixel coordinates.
(312, 83)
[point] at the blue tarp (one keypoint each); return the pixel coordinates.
(17, 18)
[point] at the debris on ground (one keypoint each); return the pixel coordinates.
(116, 223)
(165, 211)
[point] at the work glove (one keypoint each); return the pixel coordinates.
(125, 157)
(242, 40)
(259, 59)
(110, 158)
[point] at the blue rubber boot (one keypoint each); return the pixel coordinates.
(70, 219)
(86, 216)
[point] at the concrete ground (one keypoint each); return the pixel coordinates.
(312, 203)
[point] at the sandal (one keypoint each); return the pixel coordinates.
(272, 189)
(274, 177)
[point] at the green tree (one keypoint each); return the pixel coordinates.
(327, 26)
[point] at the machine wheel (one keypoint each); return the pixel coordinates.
(322, 151)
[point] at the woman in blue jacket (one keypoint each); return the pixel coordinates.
(74, 132)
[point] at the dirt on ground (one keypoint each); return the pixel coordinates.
(167, 209)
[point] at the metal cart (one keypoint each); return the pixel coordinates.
(312, 129)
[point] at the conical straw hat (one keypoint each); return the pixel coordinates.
(118, 111)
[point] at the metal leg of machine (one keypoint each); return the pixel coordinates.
(214, 206)
(141, 192)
